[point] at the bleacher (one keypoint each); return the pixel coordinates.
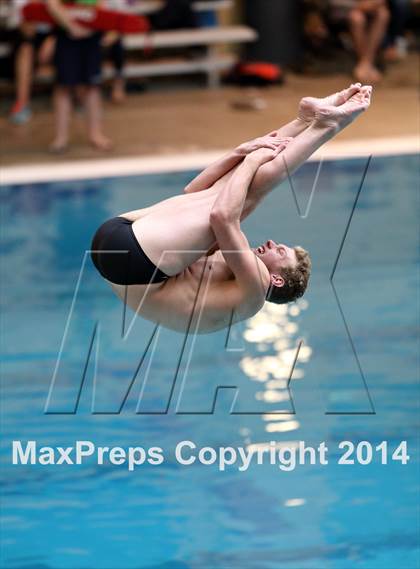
(211, 61)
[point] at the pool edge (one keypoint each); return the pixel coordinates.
(116, 167)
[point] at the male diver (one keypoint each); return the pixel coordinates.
(155, 258)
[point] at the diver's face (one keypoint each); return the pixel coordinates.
(276, 256)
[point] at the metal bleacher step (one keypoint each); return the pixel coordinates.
(175, 66)
(199, 6)
(199, 36)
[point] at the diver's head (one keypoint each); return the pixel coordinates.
(289, 270)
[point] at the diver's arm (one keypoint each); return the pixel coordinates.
(225, 222)
(291, 129)
(214, 172)
(225, 164)
(230, 201)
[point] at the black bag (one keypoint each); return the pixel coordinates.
(175, 14)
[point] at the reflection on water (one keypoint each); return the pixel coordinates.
(294, 502)
(275, 331)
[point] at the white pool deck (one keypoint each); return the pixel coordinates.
(116, 167)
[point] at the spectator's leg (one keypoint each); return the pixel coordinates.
(118, 58)
(24, 66)
(94, 119)
(46, 51)
(45, 57)
(367, 38)
(62, 110)
(358, 30)
(79, 99)
(20, 112)
(376, 34)
(92, 55)
(67, 67)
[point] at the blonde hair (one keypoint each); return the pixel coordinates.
(295, 279)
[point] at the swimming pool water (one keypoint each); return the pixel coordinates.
(172, 516)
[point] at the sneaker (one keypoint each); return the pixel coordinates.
(19, 114)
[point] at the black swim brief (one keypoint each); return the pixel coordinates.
(117, 255)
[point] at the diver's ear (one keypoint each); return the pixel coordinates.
(277, 280)
(282, 251)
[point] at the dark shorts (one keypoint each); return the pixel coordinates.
(127, 263)
(78, 62)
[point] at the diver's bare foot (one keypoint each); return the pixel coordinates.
(340, 117)
(100, 142)
(309, 105)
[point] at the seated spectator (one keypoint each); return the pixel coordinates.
(35, 45)
(78, 66)
(368, 23)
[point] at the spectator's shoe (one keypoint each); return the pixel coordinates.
(19, 114)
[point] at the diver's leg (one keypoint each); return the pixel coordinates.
(229, 161)
(329, 121)
(308, 107)
(306, 114)
(176, 232)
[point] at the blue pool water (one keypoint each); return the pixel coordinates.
(174, 516)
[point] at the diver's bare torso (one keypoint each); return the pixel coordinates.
(201, 297)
